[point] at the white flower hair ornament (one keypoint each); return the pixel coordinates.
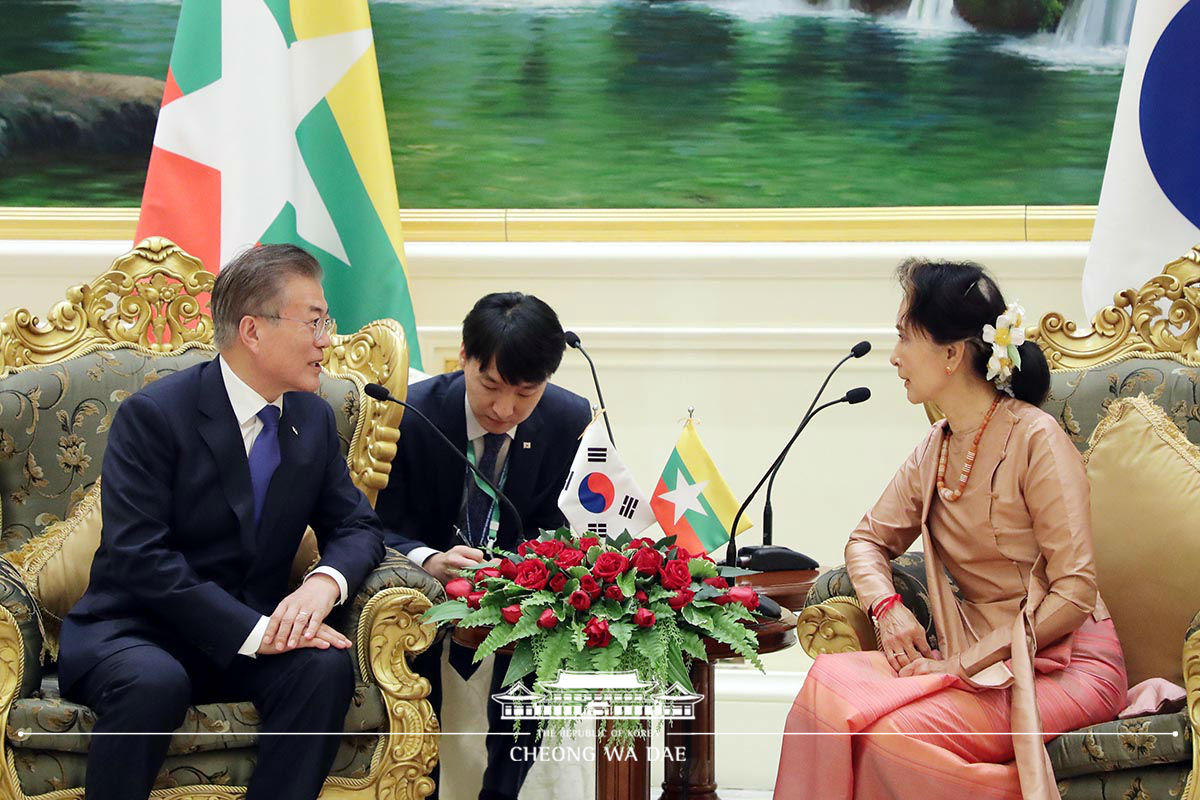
(1005, 337)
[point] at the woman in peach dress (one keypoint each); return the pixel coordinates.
(999, 498)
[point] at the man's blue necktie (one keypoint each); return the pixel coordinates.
(264, 458)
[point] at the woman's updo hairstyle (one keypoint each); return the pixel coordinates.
(951, 302)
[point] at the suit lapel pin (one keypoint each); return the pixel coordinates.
(526, 445)
(294, 431)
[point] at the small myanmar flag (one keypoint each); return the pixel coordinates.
(272, 130)
(692, 502)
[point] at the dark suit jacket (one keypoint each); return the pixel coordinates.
(180, 563)
(424, 493)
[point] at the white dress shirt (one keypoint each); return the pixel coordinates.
(246, 404)
(475, 434)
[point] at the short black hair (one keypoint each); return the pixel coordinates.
(951, 302)
(519, 331)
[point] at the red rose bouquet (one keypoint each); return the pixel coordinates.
(592, 605)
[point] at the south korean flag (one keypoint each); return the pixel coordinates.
(600, 496)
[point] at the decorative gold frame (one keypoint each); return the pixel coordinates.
(880, 224)
(1136, 325)
(151, 300)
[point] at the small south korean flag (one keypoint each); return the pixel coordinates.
(600, 496)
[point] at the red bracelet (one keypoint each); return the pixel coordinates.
(881, 607)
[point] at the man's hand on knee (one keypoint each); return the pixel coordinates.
(298, 616)
(325, 638)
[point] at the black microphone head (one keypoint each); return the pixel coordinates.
(377, 392)
(859, 395)
(861, 349)
(572, 338)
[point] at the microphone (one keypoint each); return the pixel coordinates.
(854, 396)
(573, 340)
(380, 393)
(858, 351)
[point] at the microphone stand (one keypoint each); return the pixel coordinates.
(768, 515)
(731, 549)
(573, 341)
(381, 394)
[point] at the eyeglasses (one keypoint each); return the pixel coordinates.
(319, 325)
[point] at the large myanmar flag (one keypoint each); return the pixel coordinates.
(272, 130)
(692, 502)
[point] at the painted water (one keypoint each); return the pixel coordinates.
(627, 103)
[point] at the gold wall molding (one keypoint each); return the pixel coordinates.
(898, 224)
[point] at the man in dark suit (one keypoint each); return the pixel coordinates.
(504, 415)
(210, 477)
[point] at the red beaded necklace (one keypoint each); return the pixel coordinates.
(951, 495)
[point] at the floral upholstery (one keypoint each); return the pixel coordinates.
(1122, 744)
(1079, 399)
(1147, 783)
(43, 762)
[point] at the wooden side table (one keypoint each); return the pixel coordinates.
(694, 776)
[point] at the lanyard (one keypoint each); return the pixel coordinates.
(492, 528)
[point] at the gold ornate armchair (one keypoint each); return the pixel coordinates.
(1143, 344)
(61, 380)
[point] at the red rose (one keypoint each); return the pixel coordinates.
(549, 548)
(597, 632)
(508, 569)
(639, 542)
(675, 575)
(548, 619)
(614, 593)
(681, 599)
(744, 595)
(609, 565)
(589, 585)
(643, 618)
(523, 548)
(458, 588)
(473, 599)
(647, 560)
(680, 553)
(532, 574)
(640, 596)
(511, 614)
(588, 542)
(486, 572)
(568, 558)
(558, 582)
(717, 583)
(579, 600)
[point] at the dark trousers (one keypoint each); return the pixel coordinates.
(503, 777)
(145, 689)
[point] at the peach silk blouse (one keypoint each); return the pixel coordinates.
(1018, 544)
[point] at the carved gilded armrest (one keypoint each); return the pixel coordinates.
(389, 632)
(394, 572)
(835, 625)
(20, 638)
(1191, 681)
